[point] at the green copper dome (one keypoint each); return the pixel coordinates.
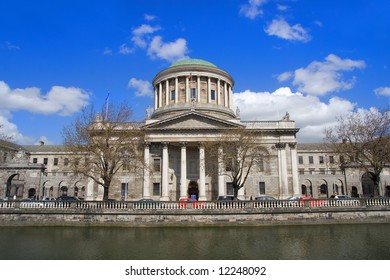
(193, 61)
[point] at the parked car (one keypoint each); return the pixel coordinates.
(195, 204)
(265, 198)
(227, 197)
(345, 200)
(68, 198)
(300, 200)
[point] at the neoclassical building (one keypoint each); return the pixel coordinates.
(193, 103)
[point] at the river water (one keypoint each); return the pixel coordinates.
(315, 242)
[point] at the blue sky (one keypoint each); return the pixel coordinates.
(313, 59)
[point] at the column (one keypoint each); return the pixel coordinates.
(155, 98)
(187, 90)
(198, 88)
(164, 175)
(230, 98)
(219, 92)
(221, 177)
(183, 170)
(283, 181)
(176, 90)
(202, 174)
(160, 95)
(225, 94)
(146, 186)
(208, 90)
(294, 168)
(167, 93)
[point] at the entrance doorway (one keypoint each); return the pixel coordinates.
(193, 190)
(15, 186)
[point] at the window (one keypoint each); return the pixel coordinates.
(321, 159)
(229, 189)
(212, 93)
(193, 93)
(331, 159)
(125, 167)
(156, 188)
(124, 190)
(300, 159)
(260, 164)
(45, 160)
(55, 161)
(261, 187)
(156, 165)
(66, 161)
(311, 159)
(173, 95)
(35, 160)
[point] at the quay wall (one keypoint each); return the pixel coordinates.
(191, 217)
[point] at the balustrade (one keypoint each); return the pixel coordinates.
(197, 205)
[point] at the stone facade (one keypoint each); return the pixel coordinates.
(192, 104)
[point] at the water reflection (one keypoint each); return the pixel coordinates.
(277, 242)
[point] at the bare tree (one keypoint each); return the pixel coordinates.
(362, 140)
(102, 143)
(237, 152)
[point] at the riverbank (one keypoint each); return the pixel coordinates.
(193, 217)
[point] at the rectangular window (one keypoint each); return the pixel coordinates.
(66, 161)
(173, 95)
(229, 189)
(260, 164)
(212, 93)
(311, 159)
(45, 161)
(55, 161)
(300, 159)
(124, 190)
(35, 160)
(321, 159)
(156, 165)
(331, 159)
(193, 93)
(156, 188)
(125, 167)
(261, 187)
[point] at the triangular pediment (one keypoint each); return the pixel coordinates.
(192, 121)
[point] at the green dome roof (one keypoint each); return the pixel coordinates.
(193, 61)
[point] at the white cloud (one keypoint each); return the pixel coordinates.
(140, 34)
(282, 8)
(9, 46)
(171, 51)
(320, 78)
(285, 76)
(124, 49)
(142, 88)
(59, 100)
(252, 9)
(311, 114)
(11, 130)
(280, 28)
(150, 17)
(385, 91)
